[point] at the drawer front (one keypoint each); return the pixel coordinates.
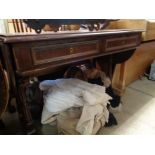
(60, 52)
(43, 56)
(120, 43)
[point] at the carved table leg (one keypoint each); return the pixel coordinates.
(24, 112)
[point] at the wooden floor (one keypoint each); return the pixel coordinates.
(136, 117)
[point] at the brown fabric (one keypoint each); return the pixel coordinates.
(67, 122)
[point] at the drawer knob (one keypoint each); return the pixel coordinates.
(71, 50)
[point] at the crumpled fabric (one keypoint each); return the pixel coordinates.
(91, 115)
(47, 117)
(63, 94)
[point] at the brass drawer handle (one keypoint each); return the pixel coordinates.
(71, 50)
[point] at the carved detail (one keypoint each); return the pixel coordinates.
(91, 24)
(24, 112)
(4, 90)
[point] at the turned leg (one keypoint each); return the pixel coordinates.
(24, 111)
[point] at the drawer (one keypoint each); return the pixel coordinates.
(120, 43)
(43, 56)
(60, 52)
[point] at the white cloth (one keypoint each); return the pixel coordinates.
(89, 114)
(47, 117)
(63, 94)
